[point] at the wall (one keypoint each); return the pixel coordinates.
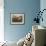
(43, 6)
(28, 7)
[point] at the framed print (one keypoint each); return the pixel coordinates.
(17, 18)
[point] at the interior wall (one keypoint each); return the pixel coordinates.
(43, 6)
(28, 7)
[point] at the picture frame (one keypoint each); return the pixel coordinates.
(17, 18)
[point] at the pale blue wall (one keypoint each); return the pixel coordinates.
(43, 6)
(28, 7)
